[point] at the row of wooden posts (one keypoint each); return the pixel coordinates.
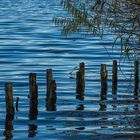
(51, 88)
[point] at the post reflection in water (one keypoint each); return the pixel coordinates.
(33, 116)
(136, 104)
(32, 130)
(80, 96)
(8, 127)
(32, 127)
(114, 93)
(80, 107)
(102, 104)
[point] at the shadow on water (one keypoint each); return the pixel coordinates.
(103, 99)
(136, 99)
(32, 130)
(114, 97)
(80, 107)
(33, 127)
(80, 96)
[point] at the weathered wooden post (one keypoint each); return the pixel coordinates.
(77, 81)
(9, 111)
(33, 96)
(33, 100)
(9, 99)
(103, 73)
(136, 77)
(80, 81)
(82, 73)
(48, 80)
(8, 127)
(114, 76)
(51, 92)
(51, 98)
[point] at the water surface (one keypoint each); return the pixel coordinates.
(30, 42)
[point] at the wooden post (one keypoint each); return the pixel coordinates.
(8, 127)
(82, 73)
(51, 98)
(9, 99)
(9, 111)
(103, 81)
(33, 96)
(80, 80)
(103, 95)
(114, 76)
(51, 92)
(77, 82)
(136, 77)
(103, 73)
(48, 80)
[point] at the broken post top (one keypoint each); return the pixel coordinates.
(80, 80)
(82, 67)
(114, 67)
(103, 71)
(103, 67)
(32, 78)
(115, 61)
(51, 91)
(8, 87)
(49, 74)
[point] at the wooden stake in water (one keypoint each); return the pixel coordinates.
(136, 77)
(80, 80)
(82, 73)
(48, 80)
(8, 127)
(33, 96)
(51, 98)
(17, 103)
(9, 111)
(51, 92)
(9, 99)
(103, 73)
(77, 81)
(114, 76)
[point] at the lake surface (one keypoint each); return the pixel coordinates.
(30, 42)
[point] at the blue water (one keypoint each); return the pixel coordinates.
(30, 42)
